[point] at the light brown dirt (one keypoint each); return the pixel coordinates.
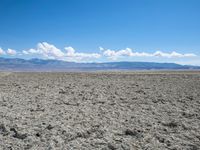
(108, 111)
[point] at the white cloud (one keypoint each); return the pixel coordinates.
(112, 54)
(71, 53)
(45, 49)
(115, 54)
(101, 48)
(2, 52)
(11, 52)
(25, 52)
(173, 54)
(50, 51)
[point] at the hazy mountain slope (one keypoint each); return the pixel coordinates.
(16, 64)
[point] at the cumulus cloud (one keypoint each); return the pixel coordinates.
(101, 48)
(11, 52)
(45, 49)
(73, 54)
(50, 51)
(2, 52)
(172, 54)
(113, 54)
(70, 51)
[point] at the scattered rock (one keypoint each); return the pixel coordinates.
(85, 134)
(18, 135)
(49, 127)
(62, 91)
(71, 103)
(160, 139)
(3, 130)
(37, 134)
(28, 146)
(193, 147)
(190, 97)
(134, 133)
(171, 124)
(140, 92)
(122, 117)
(111, 146)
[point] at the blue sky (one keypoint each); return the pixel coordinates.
(101, 30)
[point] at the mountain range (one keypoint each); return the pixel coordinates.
(17, 64)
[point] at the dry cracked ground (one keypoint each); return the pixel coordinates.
(102, 110)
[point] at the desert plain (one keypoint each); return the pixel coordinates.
(100, 110)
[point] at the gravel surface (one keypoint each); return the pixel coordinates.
(102, 110)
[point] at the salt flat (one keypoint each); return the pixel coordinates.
(100, 110)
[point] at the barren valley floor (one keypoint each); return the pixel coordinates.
(102, 110)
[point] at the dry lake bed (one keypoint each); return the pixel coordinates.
(100, 110)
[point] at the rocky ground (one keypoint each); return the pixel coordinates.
(104, 110)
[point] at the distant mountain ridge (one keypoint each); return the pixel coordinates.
(17, 64)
